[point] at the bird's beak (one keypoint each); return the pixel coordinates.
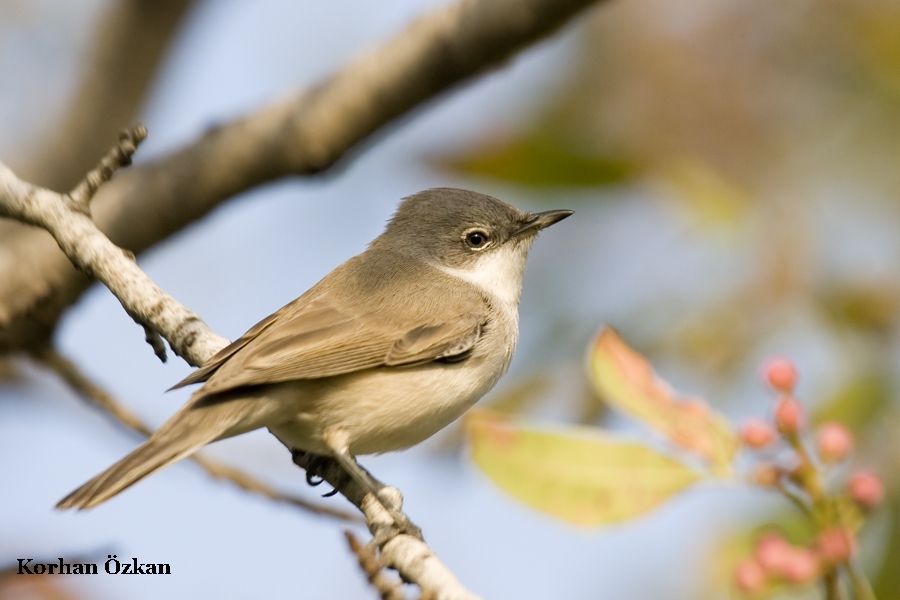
(542, 220)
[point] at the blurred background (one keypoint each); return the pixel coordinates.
(733, 166)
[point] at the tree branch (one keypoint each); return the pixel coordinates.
(408, 555)
(129, 44)
(302, 135)
(69, 372)
(373, 569)
(68, 219)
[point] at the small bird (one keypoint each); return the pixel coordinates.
(387, 349)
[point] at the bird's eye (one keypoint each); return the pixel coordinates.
(476, 239)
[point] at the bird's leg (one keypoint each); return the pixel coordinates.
(314, 464)
(341, 453)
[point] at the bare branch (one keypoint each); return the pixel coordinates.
(374, 570)
(69, 372)
(129, 44)
(301, 135)
(67, 218)
(115, 159)
(408, 555)
(156, 342)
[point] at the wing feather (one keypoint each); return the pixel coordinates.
(333, 330)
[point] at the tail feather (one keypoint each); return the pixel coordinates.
(196, 424)
(151, 456)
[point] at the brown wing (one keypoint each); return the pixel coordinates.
(448, 341)
(321, 342)
(376, 309)
(216, 360)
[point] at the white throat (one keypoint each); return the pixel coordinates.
(499, 273)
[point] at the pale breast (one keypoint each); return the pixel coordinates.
(386, 409)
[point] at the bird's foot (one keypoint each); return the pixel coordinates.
(392, 501)
(316, 466)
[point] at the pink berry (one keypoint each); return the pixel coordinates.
(789, 414)
(750, 576)
(866, 488)
(835, 545)
(834, 442)
(802, 566)
(773, 553)
(781, 374)
(756, 433)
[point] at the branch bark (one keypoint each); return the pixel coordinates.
(68, 219)
(373, 569)
(129, 44)
(302, 135)
(408, 555)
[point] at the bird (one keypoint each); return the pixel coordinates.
(387, 349)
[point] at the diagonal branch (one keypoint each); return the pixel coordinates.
(68, 219)
(373, 569)
(408, 555)
(302, 135)
(66, 370)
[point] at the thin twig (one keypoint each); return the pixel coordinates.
(832, 582)
(119, 156)
(862, 589)
(156, 342)
(795, 499)
(130, 42)
(374, 570)
(69, 221)
(87, 389)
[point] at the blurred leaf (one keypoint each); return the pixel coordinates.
(878, 44)
(870, 306)
(627, 381)
(858, 402)
(539, 160)
(578, 474)
(710, 195)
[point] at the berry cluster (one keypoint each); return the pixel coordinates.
(801, 479)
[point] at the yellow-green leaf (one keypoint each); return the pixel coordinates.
(627, 381)
(538, 160)
(578, 474)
